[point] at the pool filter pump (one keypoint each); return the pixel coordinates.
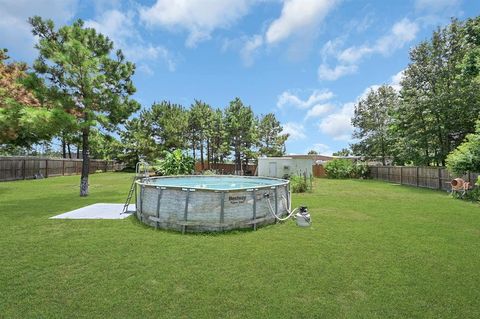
(303, 217)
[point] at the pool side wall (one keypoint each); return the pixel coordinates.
(202, 210)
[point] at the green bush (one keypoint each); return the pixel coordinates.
(339, 168)
(466, 157)
(299, 184)
(344, 168)
(360, 170)
(176, 163)
(473, 194)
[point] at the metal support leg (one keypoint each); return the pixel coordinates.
(185, 215)
(222, 210)
(157, 224)
(254, 194)
(276, 203)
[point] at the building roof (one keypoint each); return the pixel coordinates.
(314, 157)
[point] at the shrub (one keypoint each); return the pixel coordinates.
(360, 170)
(344, 168)
(176, 163)
(209, 172)
(474, 194)
(466, 157)
(339, 168)
(298, 184)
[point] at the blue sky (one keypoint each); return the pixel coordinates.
(307, 61)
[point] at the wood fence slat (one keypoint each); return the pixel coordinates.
(424, 177)
(29, 167)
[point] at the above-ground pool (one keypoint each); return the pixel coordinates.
(211, 203)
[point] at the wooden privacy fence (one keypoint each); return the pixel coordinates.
(225, 168)
(15, 168)
(318, 170)
(427, 177)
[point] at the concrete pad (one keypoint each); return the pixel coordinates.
(98, 211)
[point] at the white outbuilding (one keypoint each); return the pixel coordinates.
(281, 167)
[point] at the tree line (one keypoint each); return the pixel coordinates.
(436, 108)
(79, 92)
(211, 135)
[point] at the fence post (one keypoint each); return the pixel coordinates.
(24, 170)
(63, 167)
(46, 168)
(388, 174)
(416, 178)
(401, 175)
(439, 178)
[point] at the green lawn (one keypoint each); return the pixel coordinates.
(375, 250)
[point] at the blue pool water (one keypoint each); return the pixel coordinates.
(216, 182)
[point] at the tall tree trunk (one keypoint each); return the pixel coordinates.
(85, 164)
(78, 151)
(193, 149)
(201, 155)
(208, 154)
(69, 150)
(64, 147)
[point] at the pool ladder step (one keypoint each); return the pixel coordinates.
(129, 197)
(141, 171)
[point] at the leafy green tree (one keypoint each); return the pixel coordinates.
(312, 152)
(137, 142)
(343, 152)
(167, 124)
(218, 138)
(372, 119)
(240, 125)
(78, 62)
(270, 138)
(439, 105)
(104, 146)
(466, 157)
(176, 163)
(199, 120)
(26, 115)
(470, 64)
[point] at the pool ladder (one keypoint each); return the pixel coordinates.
(141, 171)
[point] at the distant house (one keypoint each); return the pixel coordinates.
(281, 167)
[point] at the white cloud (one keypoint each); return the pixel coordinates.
(250, 47)
(322, 149)
(289, 99)
(338, 125)
(121, 29)
(296, 131)
(396, 79)
(401, 33)
(353, 54)
(332, 74)
(367, 90)
(435, 5)
(16, 33)
(331, 47)
(198, 17)
(296, 17)
(319, 110)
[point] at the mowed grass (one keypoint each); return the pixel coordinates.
(375, 250)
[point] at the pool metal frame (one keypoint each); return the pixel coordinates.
(244, 211)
